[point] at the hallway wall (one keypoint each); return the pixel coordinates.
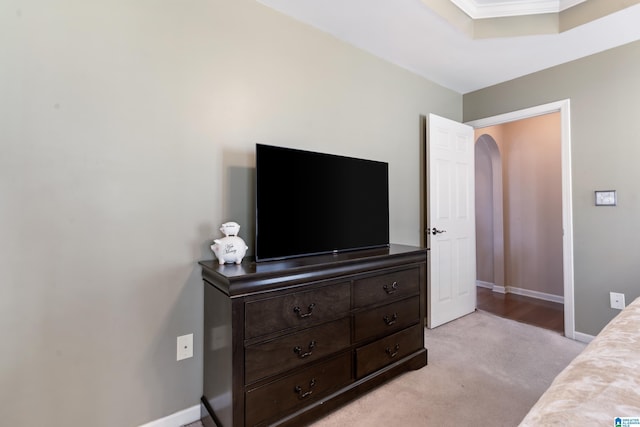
(532, 200)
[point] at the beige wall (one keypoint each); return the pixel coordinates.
(604, 92)
(127, 138)
(532, 195)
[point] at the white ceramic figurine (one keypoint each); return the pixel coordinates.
(230, 248)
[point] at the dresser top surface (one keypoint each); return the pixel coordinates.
(250, 270)
(249, 266)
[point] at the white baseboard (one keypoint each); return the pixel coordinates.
(519, 291)
(535, 294)
(178, 419)
(579, 336)
(492, 286)
(482, 284)
(500, 289)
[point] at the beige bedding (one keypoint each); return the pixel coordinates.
(602, 383)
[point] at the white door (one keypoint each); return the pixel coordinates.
(450, 221)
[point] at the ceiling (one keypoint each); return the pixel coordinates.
(412, 35)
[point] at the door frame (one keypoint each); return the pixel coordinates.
(563, 107)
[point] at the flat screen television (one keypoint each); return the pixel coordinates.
(310, 203)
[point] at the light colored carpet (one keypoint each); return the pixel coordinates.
(483, 371)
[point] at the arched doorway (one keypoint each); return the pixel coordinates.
(489, 214)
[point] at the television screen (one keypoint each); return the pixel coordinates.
(311, 203)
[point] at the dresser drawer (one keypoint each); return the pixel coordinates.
(285, 353)
(278, 398)
(299, 309)
(386, 287)
(387, 350)
(387, 318)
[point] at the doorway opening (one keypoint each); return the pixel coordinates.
(505, 277)
(518, 222)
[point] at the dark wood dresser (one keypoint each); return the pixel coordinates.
(288, 341)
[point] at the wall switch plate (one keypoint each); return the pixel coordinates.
(606, 198)
(617, 300)
(185, 347)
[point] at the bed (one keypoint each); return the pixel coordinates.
(601, 384)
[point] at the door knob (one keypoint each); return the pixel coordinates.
(435, 231)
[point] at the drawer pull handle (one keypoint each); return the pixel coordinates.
(298, 350)
(305, 394)
(391, 289)
(390, 320)
(301, 315)
(393, 353)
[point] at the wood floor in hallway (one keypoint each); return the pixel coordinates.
(533, 311)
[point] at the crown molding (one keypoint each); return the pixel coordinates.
(497, 9)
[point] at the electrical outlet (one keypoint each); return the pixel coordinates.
(185, 347)
(617, 300)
